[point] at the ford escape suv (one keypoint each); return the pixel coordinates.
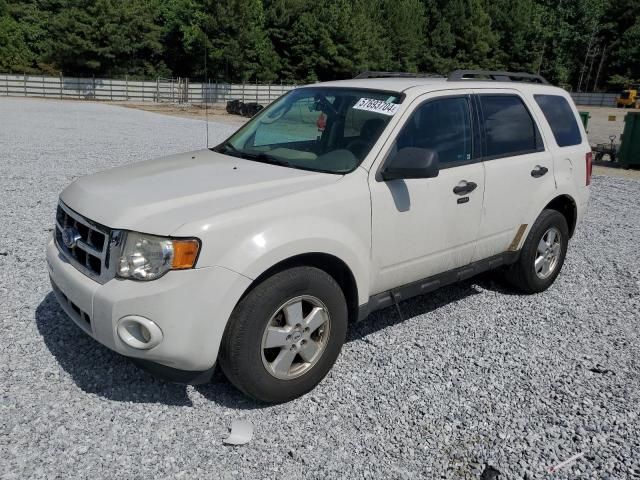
(338, 199)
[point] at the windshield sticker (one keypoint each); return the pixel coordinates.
(377, 106)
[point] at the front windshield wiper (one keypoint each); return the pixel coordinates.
(264, 158)
(228, 149)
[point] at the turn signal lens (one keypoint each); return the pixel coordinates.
(589, 160)
(185, 253)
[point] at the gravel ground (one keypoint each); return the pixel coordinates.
(474, 375)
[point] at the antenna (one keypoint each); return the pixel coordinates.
(206, 89)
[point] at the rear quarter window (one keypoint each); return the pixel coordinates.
(561, 119)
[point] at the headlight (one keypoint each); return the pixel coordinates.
(147, 257)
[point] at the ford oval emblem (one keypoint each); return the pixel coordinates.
(70, 237)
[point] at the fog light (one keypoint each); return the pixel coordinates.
(139, 332)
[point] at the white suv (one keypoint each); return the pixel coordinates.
(338, 199)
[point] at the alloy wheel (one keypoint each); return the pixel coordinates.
(548, 253)
(295, 337)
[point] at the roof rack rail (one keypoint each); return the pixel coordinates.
(396, 75)
(495, 76)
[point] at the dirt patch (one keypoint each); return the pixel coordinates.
(604, 123)
(216, 113)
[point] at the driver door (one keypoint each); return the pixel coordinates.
(421, 227)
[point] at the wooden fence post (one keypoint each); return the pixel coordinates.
(24, 74)
(61, 83)
(126, 87)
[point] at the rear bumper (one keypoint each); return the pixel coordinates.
(582, 203)
(190, 307)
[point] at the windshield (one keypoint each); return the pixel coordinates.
(320, 129)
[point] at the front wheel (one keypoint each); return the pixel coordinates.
(285, 335)
(542, 254)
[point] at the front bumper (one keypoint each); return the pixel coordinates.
(191, 308)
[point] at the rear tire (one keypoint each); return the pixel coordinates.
(542, 254)
(285, 335)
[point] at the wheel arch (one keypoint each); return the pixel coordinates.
(566, 205)
(331, 264)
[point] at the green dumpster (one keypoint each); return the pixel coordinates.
(585, 116)
(630, 145)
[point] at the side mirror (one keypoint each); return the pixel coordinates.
(411, 162)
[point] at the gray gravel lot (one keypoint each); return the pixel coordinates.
(475, 375)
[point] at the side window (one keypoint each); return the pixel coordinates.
(561, 119)
(509, 128)
(443, 125)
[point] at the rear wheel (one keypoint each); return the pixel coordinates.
(285, 335)
(542, 254)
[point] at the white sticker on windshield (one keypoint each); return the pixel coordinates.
(377, 106)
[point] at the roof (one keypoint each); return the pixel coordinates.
(426, 84)
(392, 84)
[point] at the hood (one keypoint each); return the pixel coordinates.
(158, 196)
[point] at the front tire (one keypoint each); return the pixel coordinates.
(285, 335)
(542, 254)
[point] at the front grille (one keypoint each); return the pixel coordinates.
(89, 252)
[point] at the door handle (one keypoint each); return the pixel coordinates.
(464, 187)
(539, 171)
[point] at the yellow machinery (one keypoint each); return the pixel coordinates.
(629, 97)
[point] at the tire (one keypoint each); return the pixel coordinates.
(261, 372)
(525, 275)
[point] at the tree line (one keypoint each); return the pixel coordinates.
(581, 44)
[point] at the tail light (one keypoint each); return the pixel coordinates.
(589, 160)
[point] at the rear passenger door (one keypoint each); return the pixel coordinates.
(518, 170)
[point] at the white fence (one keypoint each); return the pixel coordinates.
(595, 99)
(179, 90)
